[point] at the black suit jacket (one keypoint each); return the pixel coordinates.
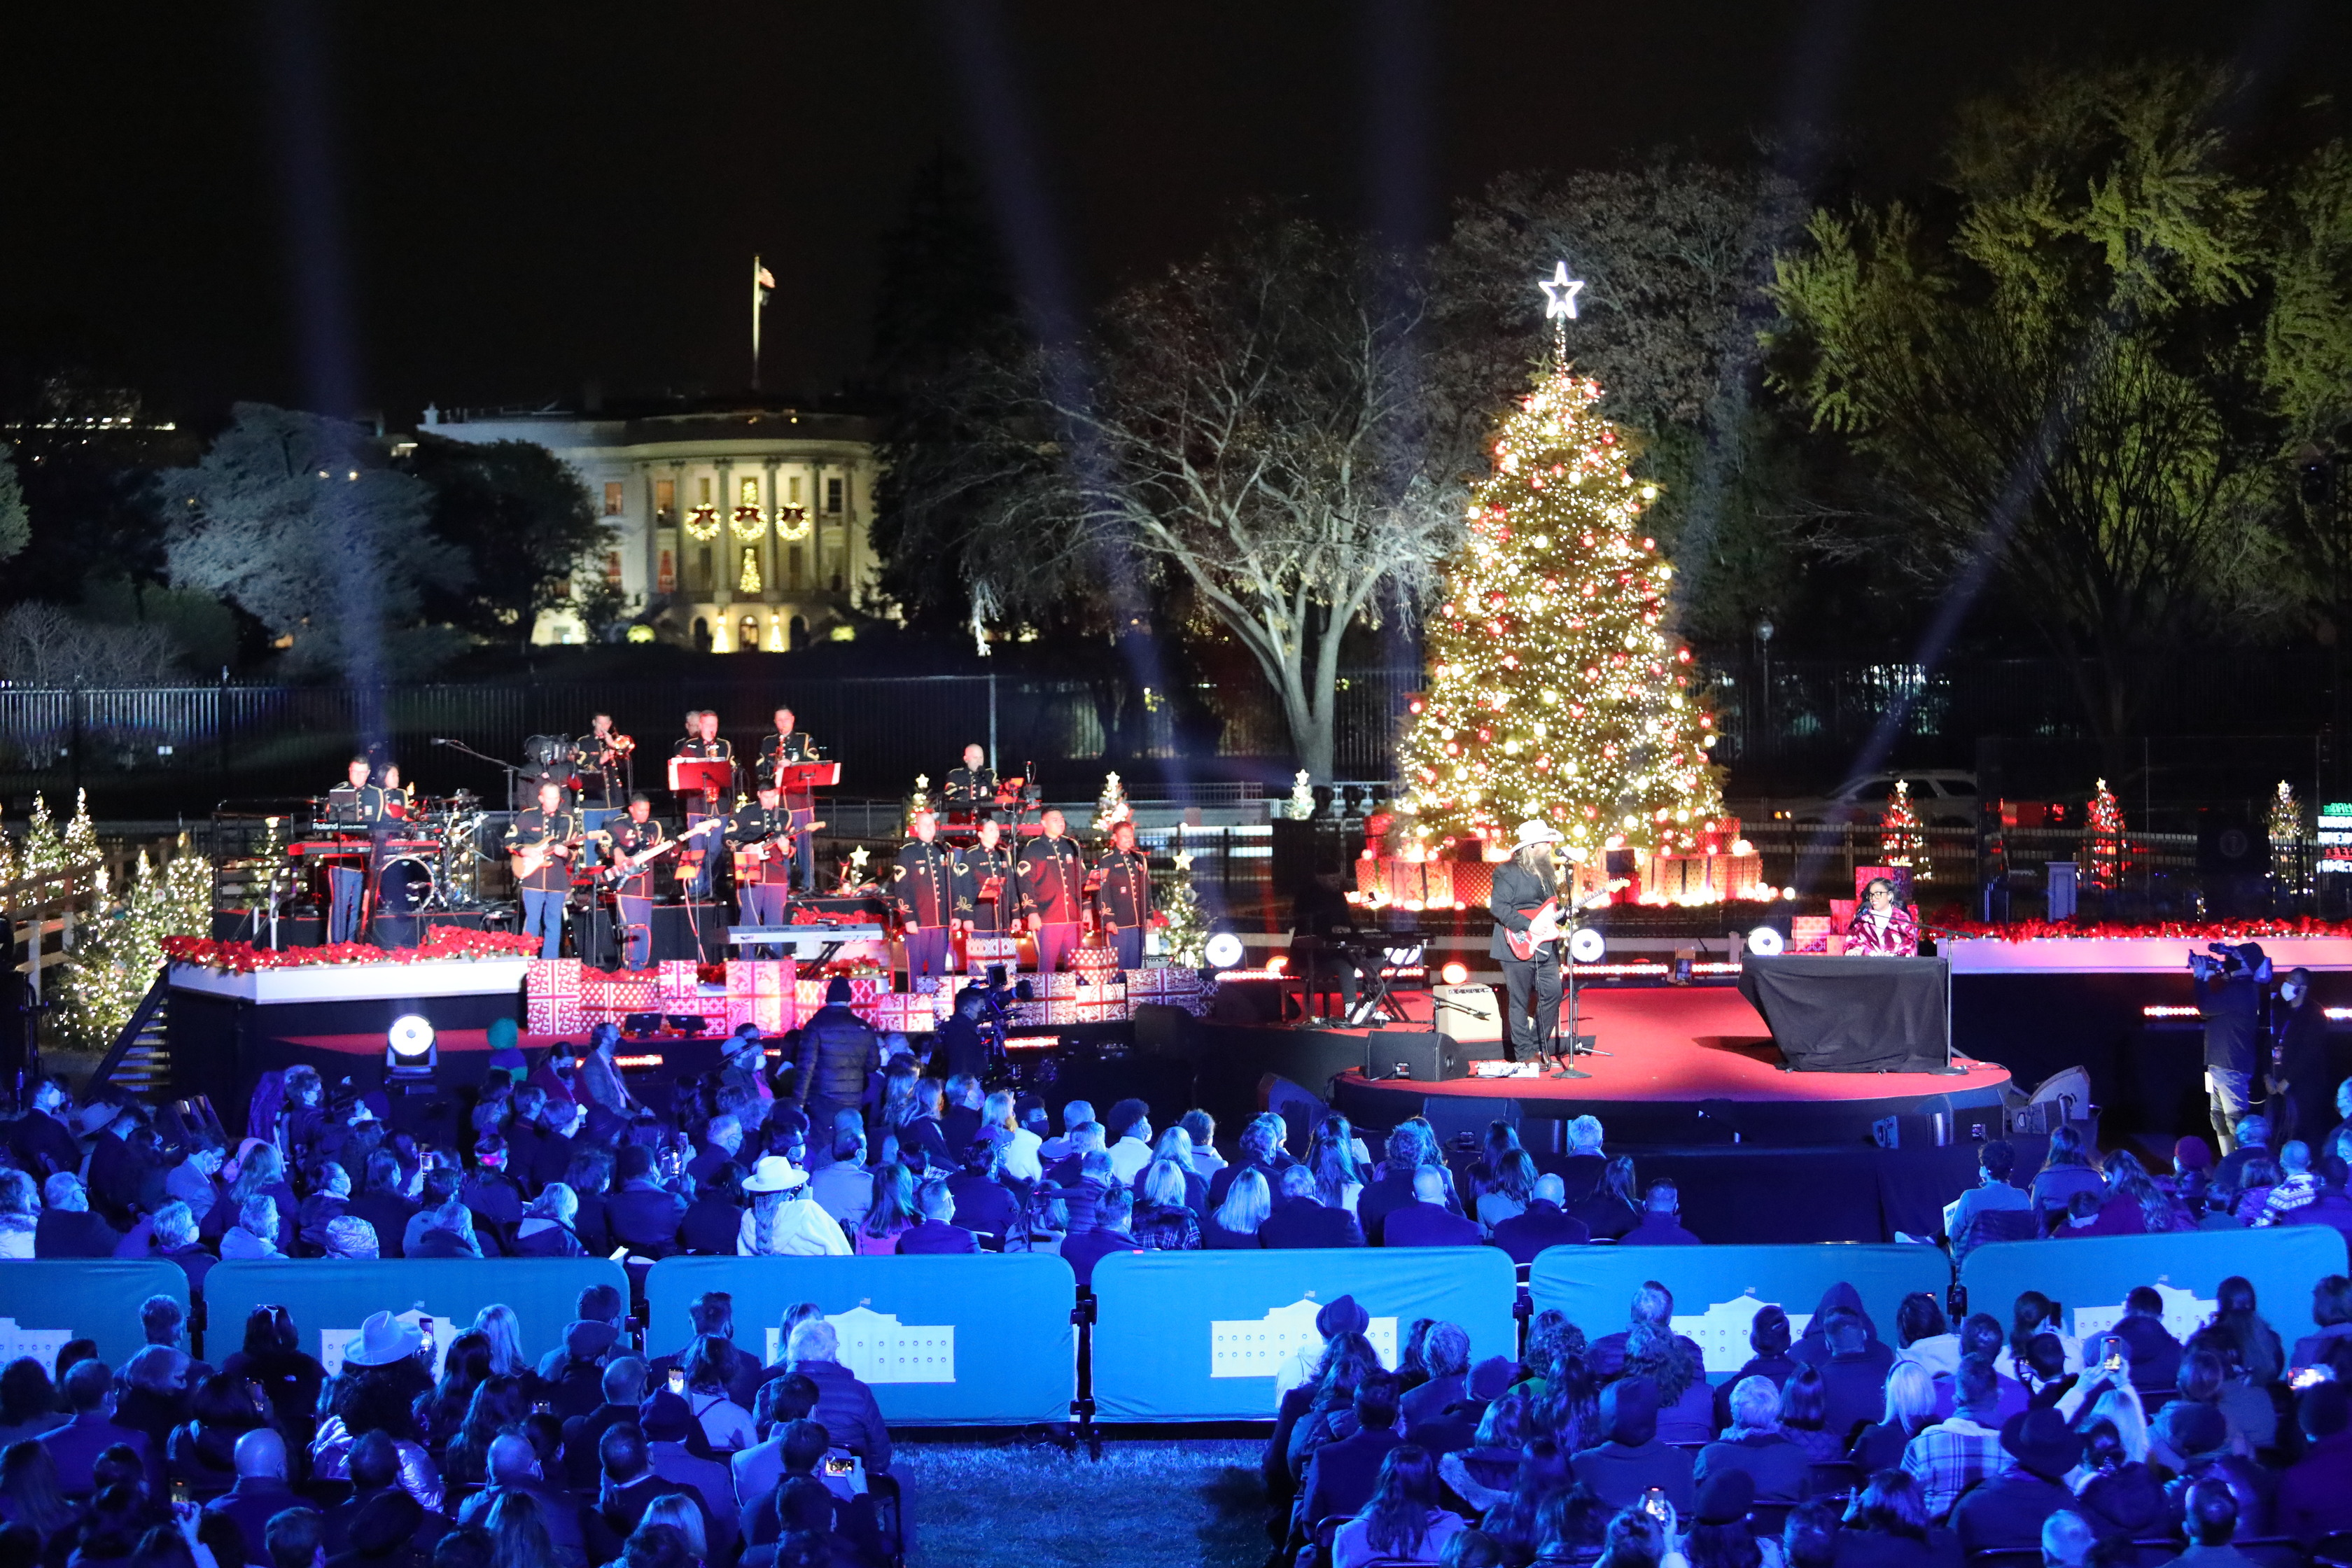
(1341, 1475)
(62, 1233)
(1541, 1226)
(1428, 1225)
(647, 1221)
(1518, 894)
(1303, 1222)
(44, 1147)
(389, 1214)
(931, 1236)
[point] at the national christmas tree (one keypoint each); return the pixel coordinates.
(1554, 689)
(1901, 839)
(2103, 839)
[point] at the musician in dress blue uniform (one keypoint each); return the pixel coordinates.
(363, 806)
(761, 888)
(1125, 896)
(784, 747)
(923, 890)
(1053, 872)
(546, 888)
(1523, 885)
(633, 894)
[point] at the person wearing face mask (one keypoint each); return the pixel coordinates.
(2302, 1086)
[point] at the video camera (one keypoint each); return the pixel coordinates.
(995, 995)
(2221, 959)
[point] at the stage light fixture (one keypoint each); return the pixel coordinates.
(1587, 946)
(1456, 972)
(409, 1049)
(1764, 941)
(1224, 950)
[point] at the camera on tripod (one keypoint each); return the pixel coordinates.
(2220, 960)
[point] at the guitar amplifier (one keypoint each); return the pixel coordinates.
(1471, 1014)
(1425, 1058)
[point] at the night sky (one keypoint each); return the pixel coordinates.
(377, 206)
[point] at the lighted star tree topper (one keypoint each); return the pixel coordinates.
(1554, 692)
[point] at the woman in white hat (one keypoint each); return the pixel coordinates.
(781, 1222)
(1526, 906)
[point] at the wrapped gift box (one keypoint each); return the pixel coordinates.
(982, 948)
(1165, 985)
(1094, 961)
(929, 985)
(1460, 882)
(675, 978)
(761, 977)
(1809, 933)
(905, 1014)
(1099, 1011)
(810, 990)
(1025, 1015)
(553, 977)
(770, 1015)
(1054, 987)
(553, 1015)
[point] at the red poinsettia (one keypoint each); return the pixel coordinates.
(441, 943)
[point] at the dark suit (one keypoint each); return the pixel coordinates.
(935, 1235)
(646, 1217)
(581, 1433)
(44, 1145)
(1428, 1402)
(2314, 1495)
(2307, 1065)
(253, 1502)
(1532, 982)
(982, 1203)
(74, 1447)
(1082, 1248)
(1541, 1226)
(1619, 1475)
(1303, 1222)
(1341, 1475)
(1776, 1465)
(390, 1213)
(63, 1233)
(1428, 1225)
(2008, 1510)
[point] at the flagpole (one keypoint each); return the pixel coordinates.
(756, 302)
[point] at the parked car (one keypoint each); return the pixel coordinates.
(1942, 796)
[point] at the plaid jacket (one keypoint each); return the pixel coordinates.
(1949, 1457)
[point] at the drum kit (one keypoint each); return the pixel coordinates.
(430, 860)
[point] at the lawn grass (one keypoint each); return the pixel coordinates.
(1197, 1503)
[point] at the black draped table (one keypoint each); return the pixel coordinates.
(1853, 1013)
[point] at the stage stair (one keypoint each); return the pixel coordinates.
(140, 1060)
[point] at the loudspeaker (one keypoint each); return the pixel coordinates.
(1472, 1014)
(1426, 1058)
(1932, 1130)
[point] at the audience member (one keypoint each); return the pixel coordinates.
(1660, 1223)
(1426, 1221)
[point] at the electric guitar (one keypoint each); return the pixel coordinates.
(623, 867)
(750, 858)
(1543, 926)
(531, 859)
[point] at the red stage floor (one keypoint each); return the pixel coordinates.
(1694, 1042)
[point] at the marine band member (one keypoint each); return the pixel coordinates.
(553, 832)
(923, 890)
(1053, 876)
(633, 894)
(1123, 876)
(760, 890)
(602, 756)
(702, 741)
(781, 746)
(354, 806)
(972, 788)
(991, 912)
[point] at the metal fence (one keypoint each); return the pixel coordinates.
(209, 742)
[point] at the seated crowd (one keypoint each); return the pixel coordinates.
(589, 1455)
(1840, 1446)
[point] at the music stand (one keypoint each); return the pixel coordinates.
(710, 776)
(799, 778)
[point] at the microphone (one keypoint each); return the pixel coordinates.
(438, 741)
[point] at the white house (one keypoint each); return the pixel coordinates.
(745, 526)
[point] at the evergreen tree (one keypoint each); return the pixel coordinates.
(111, 969)
(1902, 841)
(1110, 806)
(2103, 839)
(1184, 939)
(1555, 692)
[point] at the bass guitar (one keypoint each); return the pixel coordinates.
(1543, 926)
(623, 867)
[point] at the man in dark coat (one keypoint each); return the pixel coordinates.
(838, 1050)
(1342, 1473)
(2314, 1495)
(67, 1228)
(644, 1214)
(1524, 904)
(1426, 1221)
(1633, 1461)
(1545, 1222)
(1299, 1220)
(2304, 1106)
(2009, 1510)
(937, 1231)
(2229, 998)
(40, 1139)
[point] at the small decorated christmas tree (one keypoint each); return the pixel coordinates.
(920, 801)
(7, 857)
(1555, 692)
(1110, 806)
(1902, 841)
(43, 851)
(2287, 842)
(1302, 797)
(1184, 939)
(81, 833)
(119, 958)
(2102, 840)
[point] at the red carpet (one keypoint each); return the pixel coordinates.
(1682, 1044)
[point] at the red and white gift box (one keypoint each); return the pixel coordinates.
(894, 1010)
(1056, 988)
(761, 977)
(769, 1015)
(1075, 1012)
(1809, 933)
(982, 947)
(1165, 984)
(1095, 961)
(677, 979)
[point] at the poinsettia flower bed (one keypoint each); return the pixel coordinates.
(2176, 930)
(441, 945)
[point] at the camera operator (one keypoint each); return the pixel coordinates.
(2231, 990)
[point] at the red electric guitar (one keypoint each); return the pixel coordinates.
(1543, 926)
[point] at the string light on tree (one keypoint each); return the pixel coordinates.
(2103, 839)
(1184, 938)
(2286, 835)
(1902, 840)
(1554, 690)
(1110, 806)
(116, 963)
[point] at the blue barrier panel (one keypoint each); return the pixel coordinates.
(1197, 1336)
(978, 1340)
(328, 1300)
(45, 1302)
(2090, 1277)
(1717, 1289)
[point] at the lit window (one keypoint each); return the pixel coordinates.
(611, 497)
(666, 500)
(793, 488)
(749, 641)
(747, 493)
(666, 580)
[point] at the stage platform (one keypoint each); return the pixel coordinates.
(1688, 1065)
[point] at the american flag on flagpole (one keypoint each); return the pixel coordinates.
(763, 282)
(761, 279)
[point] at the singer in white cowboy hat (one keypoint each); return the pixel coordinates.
(1525, 884)
(782, 1221)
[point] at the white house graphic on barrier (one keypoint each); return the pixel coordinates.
(41, 1344)
(2185, 1313)
(1721, 1331)
(879, 1348)
(1246, 1347)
